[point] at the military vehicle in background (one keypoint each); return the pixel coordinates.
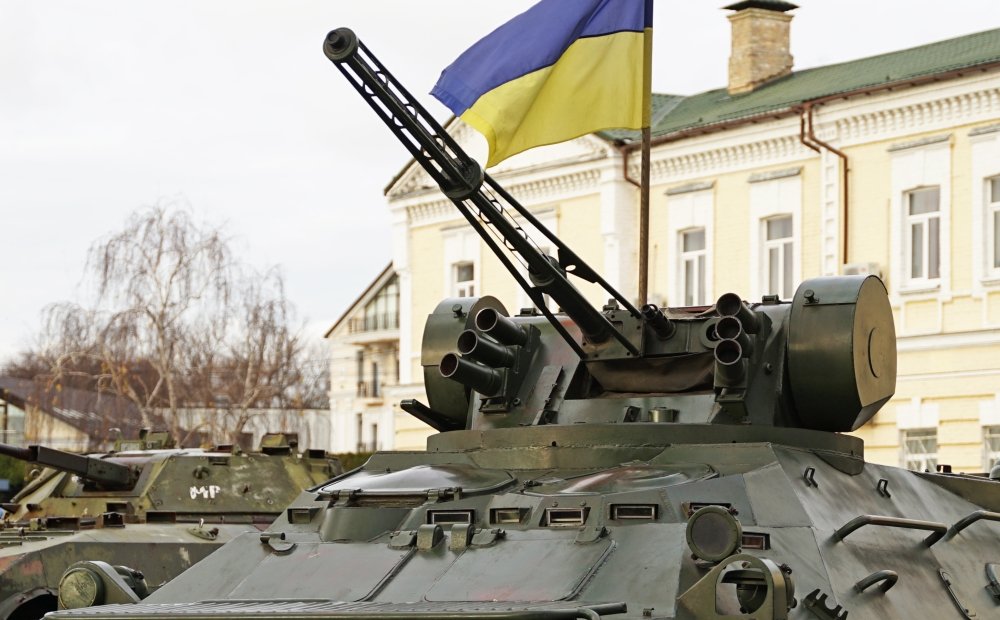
(626, 462)
(141, 503)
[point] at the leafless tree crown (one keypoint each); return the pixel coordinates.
(176, 323)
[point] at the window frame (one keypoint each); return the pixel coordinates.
(924, 220)
(785, 247)
(991, 225)
(991, 457)
(699, 262)
(466, 287)
(929, 460)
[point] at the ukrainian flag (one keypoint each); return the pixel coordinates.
(560, 70)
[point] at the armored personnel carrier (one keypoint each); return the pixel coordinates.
(140, 504)
(623, 462)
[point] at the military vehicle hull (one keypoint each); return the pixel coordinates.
(172, 509)
(549, 520)
(32, 561)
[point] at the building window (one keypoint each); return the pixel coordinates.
(692, 265)
(993, 225)
(463, 279)
(779, 256)
(923, 234)
(376, 388)
(362, 386)
(382, 312)
(991, 447)
(919, 449)
(374, 444)
(359, 443)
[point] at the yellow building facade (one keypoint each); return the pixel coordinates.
(887, 165)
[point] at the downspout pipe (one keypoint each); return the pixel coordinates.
(808, 137)
(624, 150)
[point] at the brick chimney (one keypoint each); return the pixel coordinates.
(760, 43)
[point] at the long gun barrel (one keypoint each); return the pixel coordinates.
(483, 202)
(96, 470)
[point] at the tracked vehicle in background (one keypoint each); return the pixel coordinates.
(623, 462)
(144, 504)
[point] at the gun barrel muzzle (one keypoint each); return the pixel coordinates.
(499, 327)
(663, 326)
(473, 346)
(483, 379)
(730, 368)
(730, 328)
(730, 304)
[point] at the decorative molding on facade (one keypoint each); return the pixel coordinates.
(934, 109)
(912, 144)
(978, 131)
(771, 175)
(750, 154)
(544, 189)
(933, 342)
(687, 188)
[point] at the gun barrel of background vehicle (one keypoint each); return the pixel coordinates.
(87, 467)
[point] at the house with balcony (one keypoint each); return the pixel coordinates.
(365, 389)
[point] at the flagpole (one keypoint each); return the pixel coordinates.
(647, 113)
(644, 220)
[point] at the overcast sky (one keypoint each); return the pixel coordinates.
(231, 108)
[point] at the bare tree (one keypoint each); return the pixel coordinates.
(259, 363)
(176, 323)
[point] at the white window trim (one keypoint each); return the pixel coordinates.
(991, 211)
(765, 257)
(692, 256)
(921, 166)
(685, 212)
(461, 245)
(770, 198)
(917, 414)
(985, 155)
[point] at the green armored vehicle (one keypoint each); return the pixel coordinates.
(140, 504)
(622, 462)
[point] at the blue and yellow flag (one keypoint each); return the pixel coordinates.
(560, 70)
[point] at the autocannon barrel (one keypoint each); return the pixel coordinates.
(485, 351)
(483, 379)
(87, 467)
(730, 304)
(491, 322)
(663, 326)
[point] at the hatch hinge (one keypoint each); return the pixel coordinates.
(967, 612)
(439, 495)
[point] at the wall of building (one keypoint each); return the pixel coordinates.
(43, 429)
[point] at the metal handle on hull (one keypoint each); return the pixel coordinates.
(938, 529)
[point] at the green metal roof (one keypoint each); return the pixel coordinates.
(672, 114)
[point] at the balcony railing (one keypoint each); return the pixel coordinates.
(369, 390)
(373, 323)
